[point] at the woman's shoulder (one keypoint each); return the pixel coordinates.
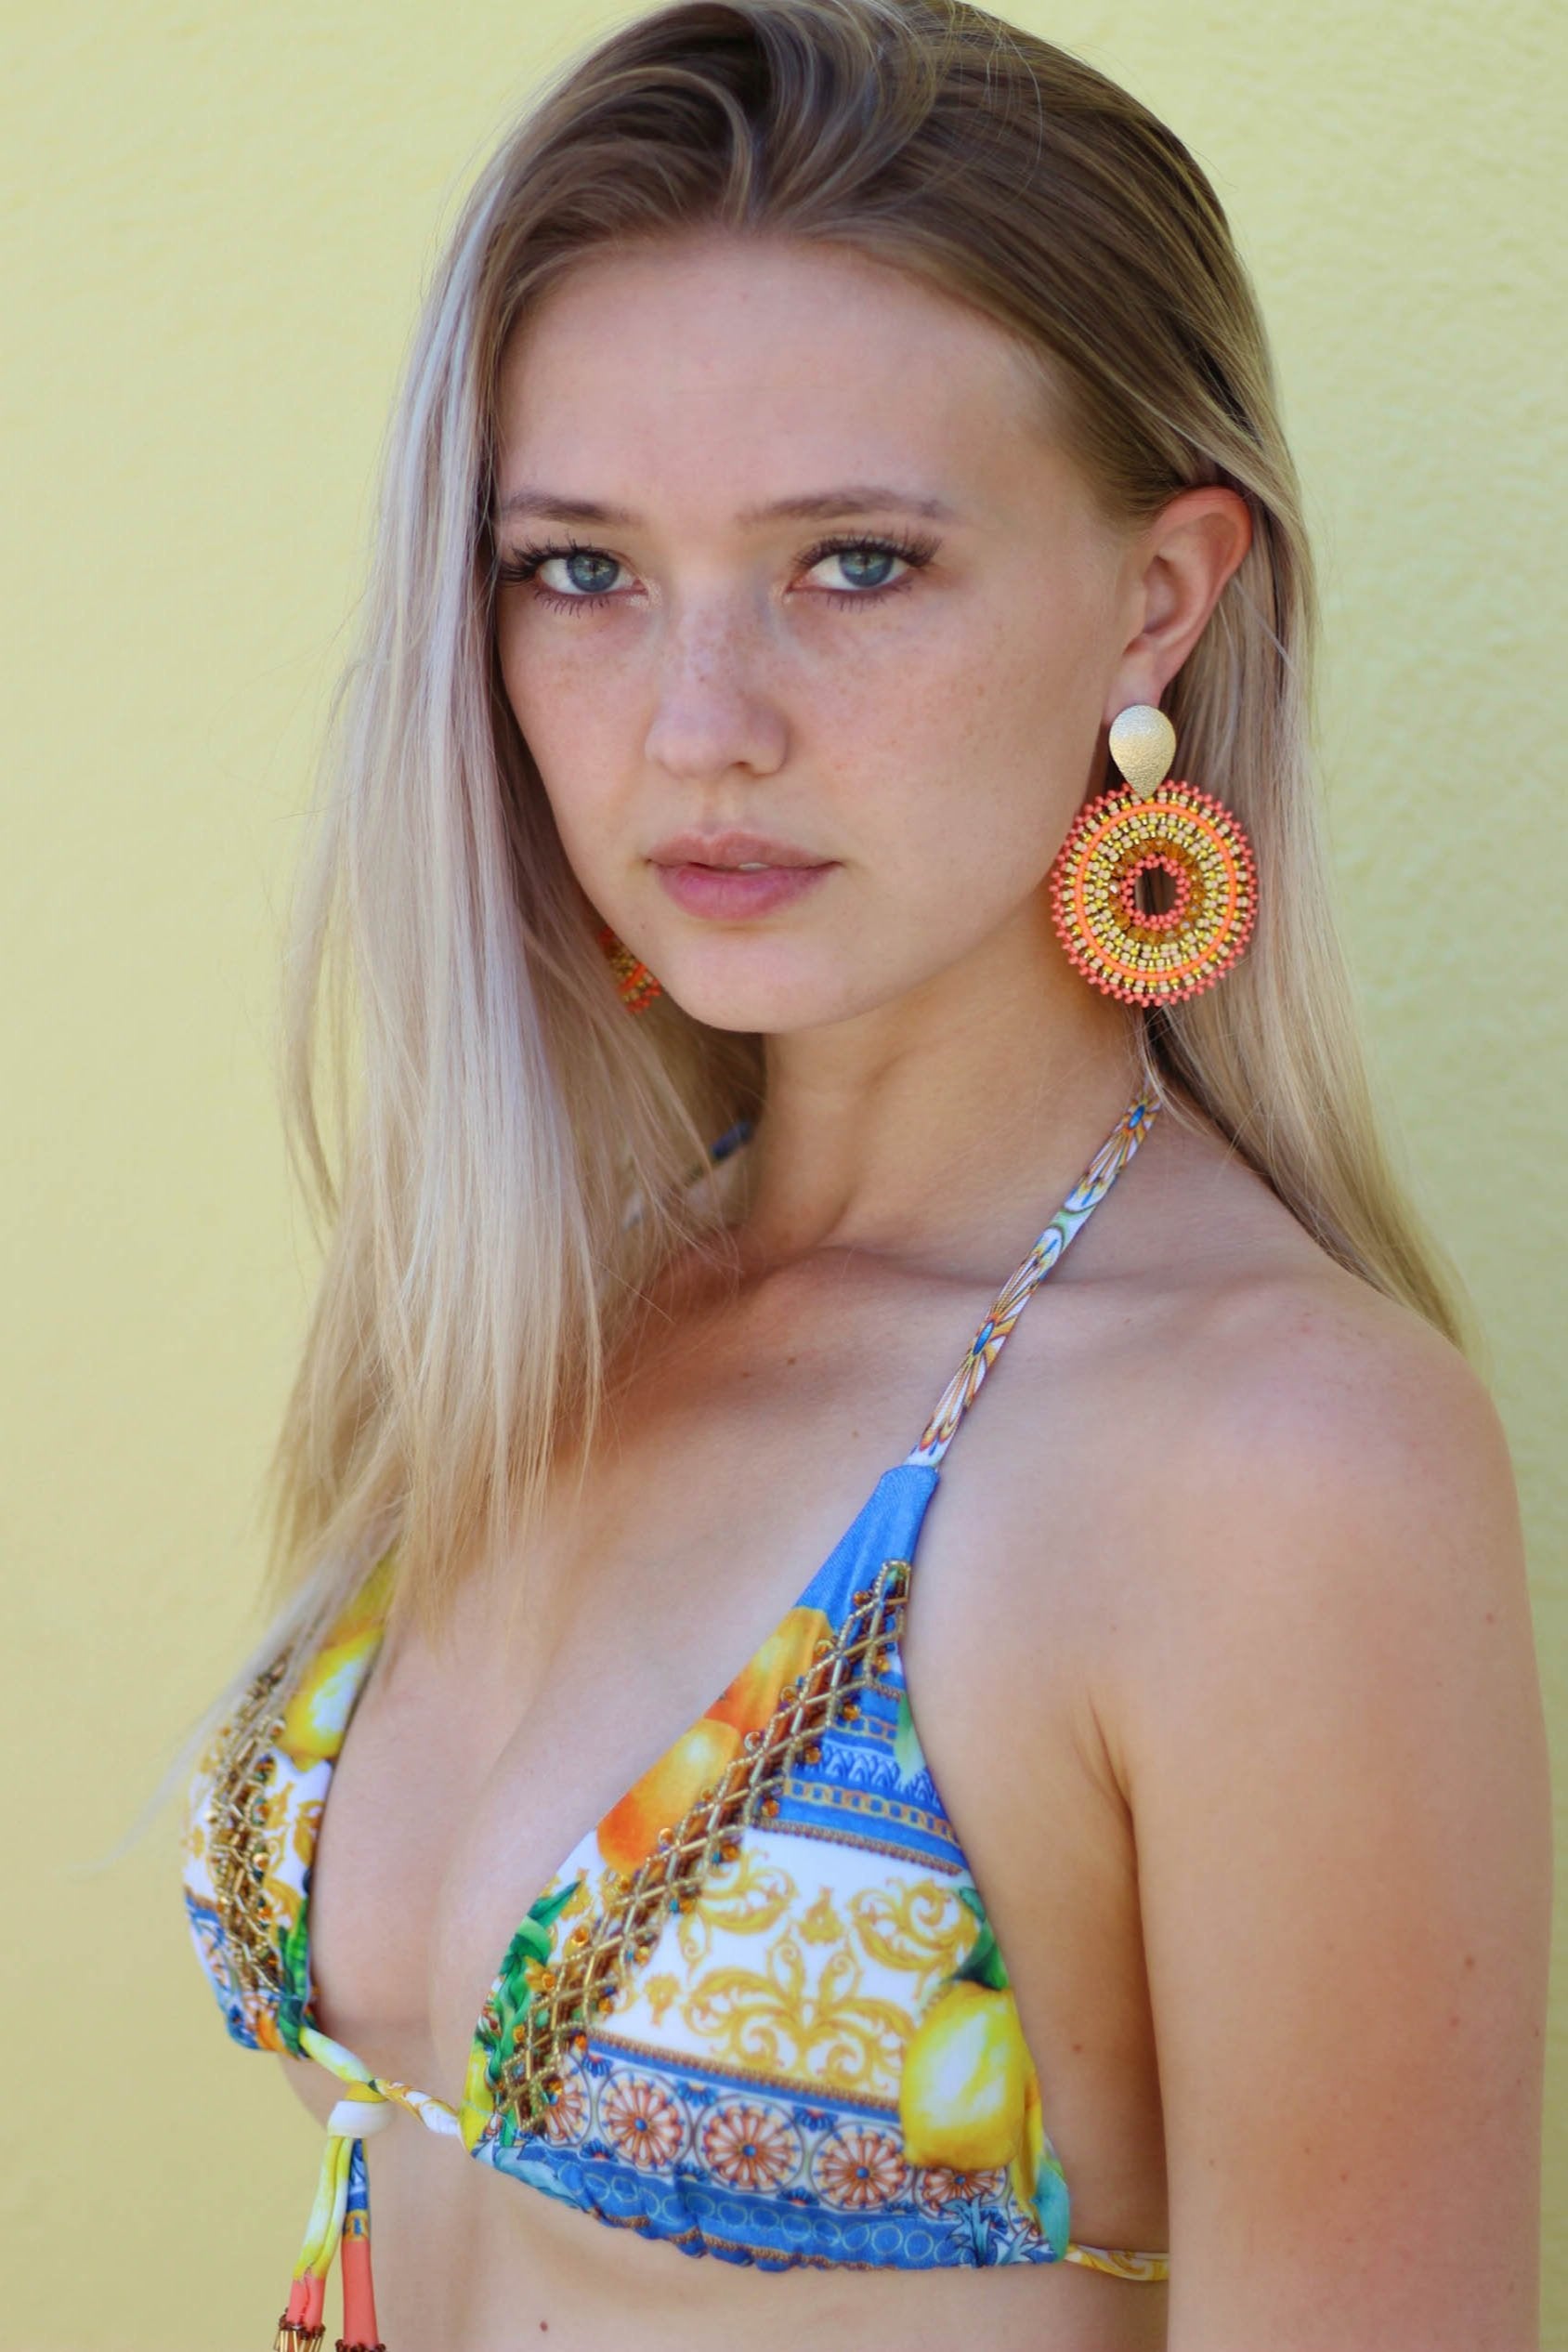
(1270, 1367)
(1284, 1393)
(1238, 1434)
(1298, 1703)
(1242, 1349)
(1309, 1443)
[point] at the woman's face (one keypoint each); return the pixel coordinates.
(795, 579)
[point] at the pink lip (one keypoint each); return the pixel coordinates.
(729, 849)
(700, 872)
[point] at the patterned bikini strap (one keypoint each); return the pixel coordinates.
(1021, 1285)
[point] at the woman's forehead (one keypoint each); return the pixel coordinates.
(763, 375)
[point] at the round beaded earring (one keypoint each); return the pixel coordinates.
(1102, 877)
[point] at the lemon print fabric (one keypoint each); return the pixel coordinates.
(251, 1827)
(629, 1832)
(758, 2012)
(813, 2053)
(968, 2096)
(317, 1715)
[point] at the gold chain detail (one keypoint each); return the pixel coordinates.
(238, 1839)
(589, 1977)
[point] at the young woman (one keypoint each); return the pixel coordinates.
(820, 856)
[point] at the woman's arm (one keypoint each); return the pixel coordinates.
(1331, 1741)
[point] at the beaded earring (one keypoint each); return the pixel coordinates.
(1140, 828)
(636, 983)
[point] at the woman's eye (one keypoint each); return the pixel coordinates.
(585, 574)
(866, 564)
(584, 578)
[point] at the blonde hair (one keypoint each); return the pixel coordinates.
(495, 1117)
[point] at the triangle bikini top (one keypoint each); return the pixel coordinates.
(758, 2011)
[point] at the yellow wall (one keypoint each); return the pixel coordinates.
(221, 218)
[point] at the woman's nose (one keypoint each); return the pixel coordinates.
(716, 700)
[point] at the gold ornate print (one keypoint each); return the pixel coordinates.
(597, 1962)
(307, 1829)
(743, 1898)
(277, 1836)
(821, 1924)
(919, 1930)
(660, 1992)
(776, 2022)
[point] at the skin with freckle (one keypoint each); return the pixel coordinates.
(752, 606)
(932, 751)
(935, 750)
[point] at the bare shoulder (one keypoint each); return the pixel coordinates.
(1316, 1685)
(1270, 1679)
(1235, 1422)
(1306, 1443)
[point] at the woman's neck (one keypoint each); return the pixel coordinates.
(921, 1126)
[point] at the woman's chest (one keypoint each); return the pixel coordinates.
(475, 1772)
(477, 1766)
(476, 1762)
(479, 1773)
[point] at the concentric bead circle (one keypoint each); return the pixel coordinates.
(1143, 957)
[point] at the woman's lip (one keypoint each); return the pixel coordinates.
(734, 846)
(725, 890)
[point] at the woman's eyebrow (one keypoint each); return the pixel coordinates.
(817, 506)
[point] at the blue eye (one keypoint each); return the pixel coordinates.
(593, 561)
(590, 560)
(588, 567)
(857, 554)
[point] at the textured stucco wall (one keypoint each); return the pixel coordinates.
(219, 219)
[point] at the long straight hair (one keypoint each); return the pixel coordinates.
(498, 1157)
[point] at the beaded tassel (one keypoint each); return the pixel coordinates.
(300, 2329)
(359, 2288)
(340, 2216)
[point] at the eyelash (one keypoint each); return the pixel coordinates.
(916, 553)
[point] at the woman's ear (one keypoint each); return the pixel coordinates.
(1178, 565)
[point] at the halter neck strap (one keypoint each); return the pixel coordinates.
(1021, 1285)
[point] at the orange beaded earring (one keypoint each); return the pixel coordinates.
(636, 983)
(1139, 828)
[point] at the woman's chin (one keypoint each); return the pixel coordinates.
(754, 1006)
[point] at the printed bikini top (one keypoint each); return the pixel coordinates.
(758, 2012)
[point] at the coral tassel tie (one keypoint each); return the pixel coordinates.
(359, 2288)
(341, 2215)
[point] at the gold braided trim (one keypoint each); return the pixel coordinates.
(238, 1842)
(599, 1960)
